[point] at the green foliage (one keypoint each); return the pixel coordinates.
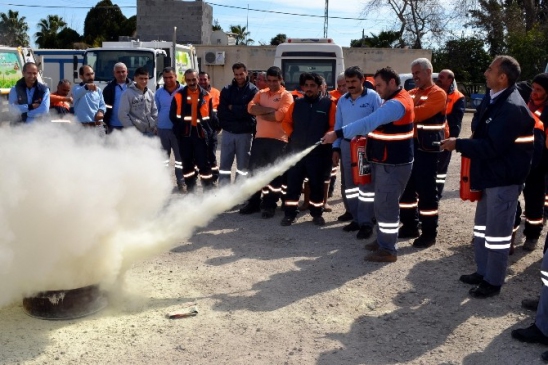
(241, 34)
(67, 38)
(216, 25)
(530, 50)
(48, 30)
(385, 39)
(105, 22)
(278, 39)
(13, 29)
(466, 57)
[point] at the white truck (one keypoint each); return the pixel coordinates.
(320, 55)
(58, 64)
(12, 60)
(154, 55)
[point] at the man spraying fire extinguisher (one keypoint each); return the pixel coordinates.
(389, 148)
(357, 103)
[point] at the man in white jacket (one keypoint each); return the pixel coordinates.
(137, 106)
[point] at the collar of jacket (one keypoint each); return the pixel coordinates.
(22, 82)
(395, 93)
(236, 84)
(364, 92)
(502, 96)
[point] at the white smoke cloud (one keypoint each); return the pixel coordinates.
(78, 209)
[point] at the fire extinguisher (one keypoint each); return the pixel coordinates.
(466, 192)
(361, 169)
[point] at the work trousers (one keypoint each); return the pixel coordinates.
(359, 198)
(443, 166)
(194, 152)
(533, 195)
(389, 182)
(234, 145)
(421, 193)
(541, 319)
(266, 151)
(212, 154)
(169, 143)
(317, 168)
(493, 224)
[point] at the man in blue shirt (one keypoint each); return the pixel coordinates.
(29, 98)
(163, 98)
(112, 93)
(357, 103)
(89, 105)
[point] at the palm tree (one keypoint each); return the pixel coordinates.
(240, 33)
(13, 30)
(48, 29)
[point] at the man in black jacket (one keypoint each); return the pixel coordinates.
(500, 153)
(112, 93)
(237, 124)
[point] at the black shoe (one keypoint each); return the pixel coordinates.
(544, 356)
(424, 241)
(408, 232)
(347, 216)
(473, 279)
(484, 290)
(287, 221)
(250, 208)
(530, 244)
(353, 226)
(531, 334)
(365, 232)
(373, 246)
(268, 213)
(319, 221)
(530, 304)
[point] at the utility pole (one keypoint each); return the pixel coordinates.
(326, 21)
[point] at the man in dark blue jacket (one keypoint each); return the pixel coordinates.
(112, 94)
(237, 124)
(500, 152)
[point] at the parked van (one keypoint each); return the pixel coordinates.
(299, 55)
(58, 64)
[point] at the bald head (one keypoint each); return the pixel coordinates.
(445, 79)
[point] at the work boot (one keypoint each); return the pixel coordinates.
(353, 226)
(424, 241)
(473, 279)
(347, 216)
(381, 256)
(287, 221)
(250, 208)
(484, 290)
(530, 244)
(531, 334)
(408, 232)
(365, 232)
(306, 197)
(319, 221)
(530, 304)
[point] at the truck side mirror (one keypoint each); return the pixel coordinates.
(75, 68)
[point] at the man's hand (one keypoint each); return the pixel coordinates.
(449, 144)
(91, 87)
(335, 158)
(99, 116)
(329, 137)
(68, 99)
(271, 117)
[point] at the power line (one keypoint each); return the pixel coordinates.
(220, 5)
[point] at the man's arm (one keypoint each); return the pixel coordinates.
(123, 110)
(102, 107)
(12, 99)
(285, 103)
(154, 112)
(287, 123)
(43, 108)
(435, 104)
(455, 118)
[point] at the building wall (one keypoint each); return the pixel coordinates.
(262, 57)
(156, 19)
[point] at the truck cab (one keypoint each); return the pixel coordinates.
(154, 55)
(318, 55)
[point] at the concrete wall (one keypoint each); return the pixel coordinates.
(156, 19)
(262, 57)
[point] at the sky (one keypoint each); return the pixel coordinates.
(263, 24)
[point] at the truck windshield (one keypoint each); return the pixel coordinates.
(103, 62)
(293, 68)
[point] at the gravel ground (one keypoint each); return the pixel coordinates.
(267, 294)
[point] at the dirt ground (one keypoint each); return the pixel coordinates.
(267, 294)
